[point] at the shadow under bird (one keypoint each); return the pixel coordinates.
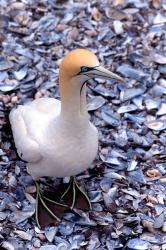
(56, 137)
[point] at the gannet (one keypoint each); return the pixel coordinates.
(56, 138)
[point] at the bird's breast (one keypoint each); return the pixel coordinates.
(67, 154)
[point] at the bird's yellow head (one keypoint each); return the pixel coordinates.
(82, 65)
(76, 61)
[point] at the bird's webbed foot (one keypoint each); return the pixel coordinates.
(51, 207)
(75, 196)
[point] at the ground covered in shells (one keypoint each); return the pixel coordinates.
(127, 187)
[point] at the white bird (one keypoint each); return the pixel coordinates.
(56, 138)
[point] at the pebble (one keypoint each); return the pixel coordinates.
(118, 27)
(156, 248)
(30, 189)
(42, 237)
(164, 227)
(163, 247)
(37, 243)
(149, 225)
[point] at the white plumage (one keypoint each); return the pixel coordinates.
(56, 138)
(51, 145)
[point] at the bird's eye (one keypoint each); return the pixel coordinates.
(84, 69)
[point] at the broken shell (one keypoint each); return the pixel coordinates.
(2, 216)
(12, 181)
(21, 73)
(23, 235)
(158, 91)
(159, 221)
(128, 94)
(137, 176)
(7, 245)
(136, 119)
(160, 59)
(48, 247)
(50, 233)
(159, 18)
(153, 173)
(66, 228)
(138, 244)
(128, 71)
(162, 109)
(5, 64)
(96, 103)
(138, 101)
(148, 224)
(151, 104)
(156, 125)
(132, 165)
(20, 216)
(110, 119)
(128, 108)
(106, 184)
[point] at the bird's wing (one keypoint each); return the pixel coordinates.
(27, 148)
(28, 124)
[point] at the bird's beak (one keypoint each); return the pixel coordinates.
(102, 73)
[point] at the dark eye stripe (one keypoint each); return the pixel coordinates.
(85, 69)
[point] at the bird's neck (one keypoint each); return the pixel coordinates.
(73, 100)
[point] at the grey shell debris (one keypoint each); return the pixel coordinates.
(138, 244)
(131, 93)
(128, 71)
(127, 187)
